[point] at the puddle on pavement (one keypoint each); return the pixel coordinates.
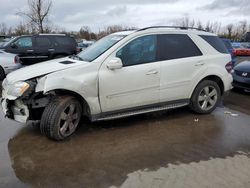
(104, 154)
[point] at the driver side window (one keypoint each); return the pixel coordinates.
(139, 51)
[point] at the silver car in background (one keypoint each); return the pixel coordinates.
(8, 63)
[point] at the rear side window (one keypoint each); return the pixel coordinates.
(43, 42)
(64, 41)
(175, 46)
(216, 42)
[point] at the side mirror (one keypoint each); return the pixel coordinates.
(13, 45)
(115, 63)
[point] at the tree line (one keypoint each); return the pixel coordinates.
(37, 21)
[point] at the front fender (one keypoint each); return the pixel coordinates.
(87, 88)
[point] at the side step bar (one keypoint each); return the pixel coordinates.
(141, 111)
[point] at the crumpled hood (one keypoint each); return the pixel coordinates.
(42, 69)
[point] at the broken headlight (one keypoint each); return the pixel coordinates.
(18, 89)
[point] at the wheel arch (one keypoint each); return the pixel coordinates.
(4, 73)
(214, 78)
(81, 99)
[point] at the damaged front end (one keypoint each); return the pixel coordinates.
(21, 103)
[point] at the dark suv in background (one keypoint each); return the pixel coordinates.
(42, 47)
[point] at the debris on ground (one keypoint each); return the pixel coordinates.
(231, 114)
(196, 120)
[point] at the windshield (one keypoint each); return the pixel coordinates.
(98, 48)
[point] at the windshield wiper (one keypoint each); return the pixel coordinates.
(75, 57)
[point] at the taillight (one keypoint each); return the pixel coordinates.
(229, 67)
(16, 60)
(78, 50)
(234, 52)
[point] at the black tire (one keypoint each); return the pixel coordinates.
(56, 122)
(237, 89)
(2, 74)
(195, 103)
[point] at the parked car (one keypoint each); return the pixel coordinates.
(8, 63)
(123, 74)
(42, 47)
(230, 48)
(84, 44)
(241, 49)
(4, 39)
(241, 76)
(246, 37)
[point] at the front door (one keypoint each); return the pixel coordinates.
(24, 47)
(137, 83)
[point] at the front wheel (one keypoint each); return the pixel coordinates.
(61, 118)
(206, 97)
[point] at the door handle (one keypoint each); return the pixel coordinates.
(30, 50)
(152, 72)
(199, 64)
(51, 50)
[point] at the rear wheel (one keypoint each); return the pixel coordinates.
(2, 74)
(206, 97)
(61, 118)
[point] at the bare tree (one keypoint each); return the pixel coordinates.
(38, 13)
(230, 30)
(3, 29)
(85, 33)
(22, 29)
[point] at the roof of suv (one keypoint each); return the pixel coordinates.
(173, 29)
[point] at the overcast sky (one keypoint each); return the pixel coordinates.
(72, 14)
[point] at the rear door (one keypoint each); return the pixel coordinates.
(181, 61)
(43, 48)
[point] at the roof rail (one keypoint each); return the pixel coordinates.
(173, 27)
(55, 34)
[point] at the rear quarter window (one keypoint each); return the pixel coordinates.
(65, 41)
(216, 43)
(43, 42)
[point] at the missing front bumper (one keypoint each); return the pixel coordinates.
(15, 110)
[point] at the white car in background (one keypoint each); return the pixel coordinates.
(8, 63)
(123, 74)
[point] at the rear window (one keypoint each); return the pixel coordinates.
(216, 42)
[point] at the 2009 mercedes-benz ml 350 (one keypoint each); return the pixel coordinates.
(124, 74)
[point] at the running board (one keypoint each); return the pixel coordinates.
(141, 111)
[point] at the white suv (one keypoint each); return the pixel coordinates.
(123, 74)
